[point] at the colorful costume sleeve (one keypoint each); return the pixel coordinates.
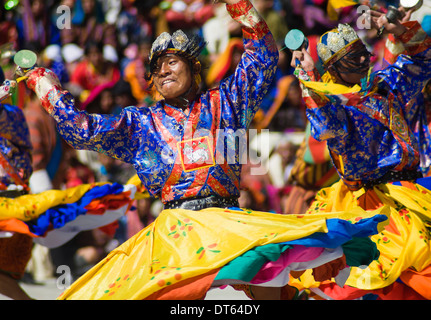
(415, 110)
(15, 146)
(411, 70)
(245, 90)
(103, 133)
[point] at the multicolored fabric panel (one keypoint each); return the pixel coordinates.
(271, 264)
(143, 267)
(15, 146)
(402, 269)
(54, 217)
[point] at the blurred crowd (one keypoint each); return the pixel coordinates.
(99, 50)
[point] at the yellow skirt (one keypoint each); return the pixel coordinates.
(404, 244)
(179, 255)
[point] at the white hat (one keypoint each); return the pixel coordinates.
(72, 52)
(52, 52)
(109, 53)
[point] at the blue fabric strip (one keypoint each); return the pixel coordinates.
(58, 216)
(424, 182)
(341, 231)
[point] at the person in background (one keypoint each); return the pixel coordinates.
(94, 70)
(34, 25)
(275, 18)
(226, 63)
(312, 170)
(123, 96)
(89, 25)
(188, 14)
(134, 74)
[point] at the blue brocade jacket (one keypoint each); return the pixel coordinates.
(180, 156)
(374, 131)
(15, 148)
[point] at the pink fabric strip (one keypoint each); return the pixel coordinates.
(298, 253)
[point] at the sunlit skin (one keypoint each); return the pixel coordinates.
(173, 78)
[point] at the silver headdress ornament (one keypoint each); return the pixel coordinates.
(335, 43)
(179, 43)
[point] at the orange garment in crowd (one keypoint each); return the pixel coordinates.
(225, 64)
(134, 74)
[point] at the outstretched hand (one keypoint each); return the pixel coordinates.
(379, 20)
(35, 75)
(407, 14)
(304, 58)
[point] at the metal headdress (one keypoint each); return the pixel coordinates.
(336, 43)
(178, 43)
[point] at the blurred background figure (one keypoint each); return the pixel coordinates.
(225, 63)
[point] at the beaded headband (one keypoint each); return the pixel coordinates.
(178, 43)
(335, 44)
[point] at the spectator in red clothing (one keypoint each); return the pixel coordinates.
(94, 69)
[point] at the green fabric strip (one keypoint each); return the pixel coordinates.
(246, 266)
(360, 251)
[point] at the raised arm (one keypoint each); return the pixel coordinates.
(409, 55)
(107, 134)
(244, 90)
(320, 111)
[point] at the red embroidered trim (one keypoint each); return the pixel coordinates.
(246, 10)
(238, 9)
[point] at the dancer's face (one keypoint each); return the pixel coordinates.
(172, 76)
(353, 66)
